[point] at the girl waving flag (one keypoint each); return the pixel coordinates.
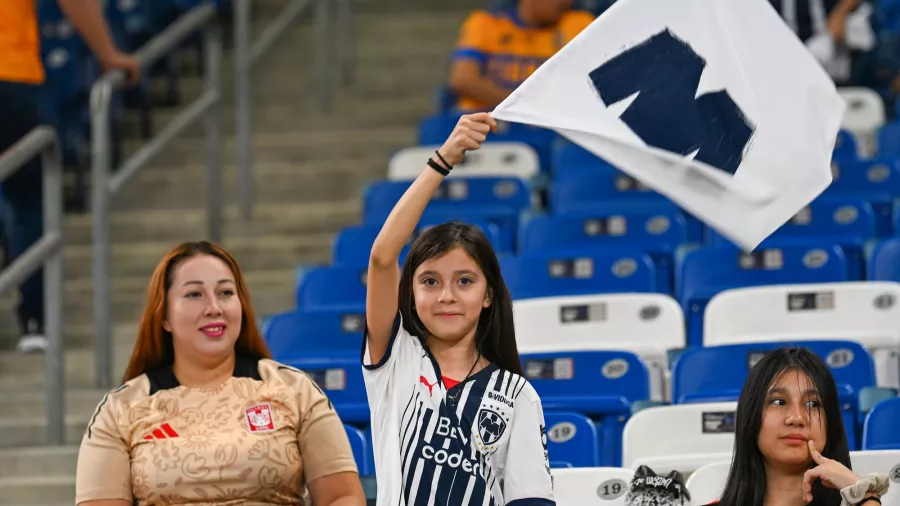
(453, 420)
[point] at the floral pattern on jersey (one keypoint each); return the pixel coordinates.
(215, 459)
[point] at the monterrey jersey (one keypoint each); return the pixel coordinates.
(481, 442)
(259, 438)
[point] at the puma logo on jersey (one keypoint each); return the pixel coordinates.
(425, 382)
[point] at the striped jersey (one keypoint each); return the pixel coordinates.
(481, 442)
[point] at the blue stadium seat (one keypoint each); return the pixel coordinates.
(571, 159)
(706, 271)
(435, 130)
(546, 274)
(572, 440)
(613, 191)
(845, 146)
(332, 287)
(599, 384)
(497, 200)
(600, 183)
(360, 446)
(880, 430)
(876, 180)
(884, 261)
(658, 234)
(846, 221)
(340, 378)
(317, 332)
(717, 373)
(352, 245)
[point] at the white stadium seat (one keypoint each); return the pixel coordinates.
(645, 324)
(707, 483)
(494, 159)
(694, 435)
(867, 312)
(591, 486)
(864, 116)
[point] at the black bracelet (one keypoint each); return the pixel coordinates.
(437, 167)
(867, 499)
(441, 158)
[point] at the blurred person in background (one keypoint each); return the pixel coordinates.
(204, 414)
(21, 76)
(497, 51)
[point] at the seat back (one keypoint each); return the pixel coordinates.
(339, 376)
(707, 483)
(693, 433)
(597, 383)
(886, 462)
(572, 440)
(880, 429)
(493, 159)
(865, 312)
(315, 332)
(546, 274)
(718, 373)
(332, 287)
(591, 486)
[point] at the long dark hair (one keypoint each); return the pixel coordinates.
(495, 337)
(746, 484)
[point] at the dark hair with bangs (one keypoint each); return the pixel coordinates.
(746, 484)
(495, 337)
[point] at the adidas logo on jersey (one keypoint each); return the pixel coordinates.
(165, 431)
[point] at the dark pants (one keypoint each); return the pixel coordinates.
(22, 192)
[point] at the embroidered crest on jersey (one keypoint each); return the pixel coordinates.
(491, 426)
(259, 418)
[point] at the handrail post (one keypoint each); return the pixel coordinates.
(347, 44)
(54, 294)
(244, 119)
(322, 46)
(212, 123)
(102, 255)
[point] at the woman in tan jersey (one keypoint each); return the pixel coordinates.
(204, 416)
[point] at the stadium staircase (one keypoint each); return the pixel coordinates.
(310, 170)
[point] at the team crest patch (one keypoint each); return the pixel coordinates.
(490, 426)
(259, 418)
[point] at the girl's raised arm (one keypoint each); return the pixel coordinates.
(384, 272)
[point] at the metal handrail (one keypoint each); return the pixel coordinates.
(47, 252)
(106, 183)
(247, 54)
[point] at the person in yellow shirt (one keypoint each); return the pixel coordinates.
(497, 51)
(21, 75)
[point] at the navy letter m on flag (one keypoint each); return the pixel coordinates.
(667, 114)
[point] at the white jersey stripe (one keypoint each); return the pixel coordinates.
(443, 447)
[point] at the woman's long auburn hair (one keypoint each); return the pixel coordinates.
(154, 348)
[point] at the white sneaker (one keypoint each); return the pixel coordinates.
(32, 343)
(33, 340)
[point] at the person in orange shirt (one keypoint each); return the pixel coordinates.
(496, 52)
(21, 75)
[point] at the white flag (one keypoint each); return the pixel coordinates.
(714, 103)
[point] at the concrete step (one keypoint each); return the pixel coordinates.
(26, 373)
(175, 225)
(287, 144)
(139, 259)
(30, 403)
(38, 461)
(34, 491)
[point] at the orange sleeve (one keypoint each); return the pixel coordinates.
(323, 442)
(473, 37)
(104, 461)
(575, 22)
